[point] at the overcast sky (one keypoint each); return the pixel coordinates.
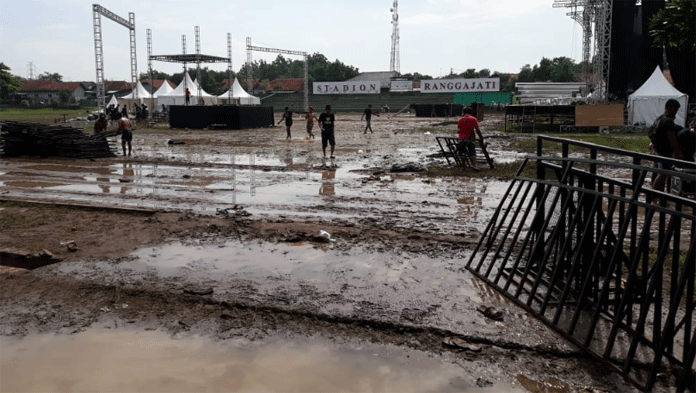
(435, 35)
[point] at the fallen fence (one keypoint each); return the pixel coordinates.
(588, 248)
(35, 139)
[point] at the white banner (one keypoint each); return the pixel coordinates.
(401, 86)
(346, 87)
(460, 85)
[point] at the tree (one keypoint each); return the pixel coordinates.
(675, 25)
(47, 76)
(484, 73)
(64, 95)
(526, 74)
(9, 84)
(542, 72)
(563, 69)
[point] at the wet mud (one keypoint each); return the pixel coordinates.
(286, 270)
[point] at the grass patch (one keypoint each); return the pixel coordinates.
(635, 143)
(43, 115)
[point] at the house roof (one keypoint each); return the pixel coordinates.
(286, 84)
(384, 77)
(117, 85)
(157, 83)
(47, 86)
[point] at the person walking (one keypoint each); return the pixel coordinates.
(126, 128)
(287, 116)
(367, 115)
(466, 146)
(326, 122)
(310, 117)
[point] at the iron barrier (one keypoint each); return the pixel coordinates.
(591, 250)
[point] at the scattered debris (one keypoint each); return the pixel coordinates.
(70, 244)
(198, 291)
(408, 167)
(175, 142)
(491, 312)
(460, 343)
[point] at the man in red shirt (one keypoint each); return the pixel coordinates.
(466, 146)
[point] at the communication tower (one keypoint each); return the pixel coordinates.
(31, 70)
(394, 64)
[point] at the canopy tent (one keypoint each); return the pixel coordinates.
(178, 95)
(164, 89)
(648, 102)
(238, 93)
(113, 101)
(143, 95)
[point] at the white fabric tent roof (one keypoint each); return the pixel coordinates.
(178, 95)
(648, 102)
(164, 89)
(238, 93)
(113, 101)
(142, 93)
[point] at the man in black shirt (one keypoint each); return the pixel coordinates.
(367, 115)
(664, 141)
(326, 122)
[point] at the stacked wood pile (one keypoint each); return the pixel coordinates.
(35, 139)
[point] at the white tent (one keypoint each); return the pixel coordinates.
(178, 96)
(113, 101)
(238, 93)
(143, 94)
(648, 102)
(163, 90)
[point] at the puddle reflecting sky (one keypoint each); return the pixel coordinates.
(129, 360)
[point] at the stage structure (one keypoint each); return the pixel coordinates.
(599, 13)
(251, 48)
(97, 12)
(197, 58)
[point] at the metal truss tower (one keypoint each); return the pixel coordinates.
(602, 54)
(31, 70)
(597, 14)
(251, 48)
(97, 12)
(394, 64)
(229, 65)
(197, 32)
(149, 70)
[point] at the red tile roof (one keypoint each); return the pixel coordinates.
(286, 84)
(157, 83)
(117, 85)
(47, 85)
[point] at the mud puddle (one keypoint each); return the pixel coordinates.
(127, 359)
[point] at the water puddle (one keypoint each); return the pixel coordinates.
(128, 360)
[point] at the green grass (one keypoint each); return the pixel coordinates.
(44, 115)
(635, 143)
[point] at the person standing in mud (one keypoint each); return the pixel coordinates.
(664, 140)
(326, 122)
(466, 146)
(187, 94)
(287, 116)
(126, 129)
(310, 117)
(367, 115)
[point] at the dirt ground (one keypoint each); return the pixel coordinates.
(220, 235)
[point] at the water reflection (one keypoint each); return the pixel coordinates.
(327, 183)
(134, 360)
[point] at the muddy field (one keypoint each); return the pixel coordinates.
(254, 259)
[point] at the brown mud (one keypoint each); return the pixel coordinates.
(221, 238)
